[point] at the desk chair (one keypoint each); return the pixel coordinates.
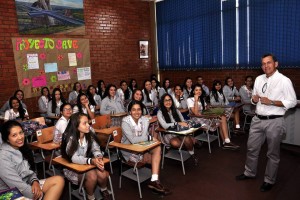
(249, 112)
(137, 172)
(82, 169)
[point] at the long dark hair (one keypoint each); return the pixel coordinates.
(49, 95)
(164, 84)
(226, 80)
(165, 111)
(144, 108)
(72, 135)
(100, 91)
(16, 92)
(146, 91)
(214, 92)
(131, 86)
(74, 87)
(53, 101)
(25, 150)
(90, 95)
(21, 110)
(132, 103)
(106, 93)
(184, 86)
(126, 92)
(202, 97)
(79, 105)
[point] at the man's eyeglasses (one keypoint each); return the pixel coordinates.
(264, 88)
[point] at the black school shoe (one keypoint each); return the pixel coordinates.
(231, 146)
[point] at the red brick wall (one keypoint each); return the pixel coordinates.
(113, 28)
(237, 75)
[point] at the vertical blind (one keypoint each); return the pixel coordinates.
(226, 34)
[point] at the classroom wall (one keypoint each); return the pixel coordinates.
(237, 75)
(113, 27)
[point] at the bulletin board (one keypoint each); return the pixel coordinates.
(51, 62)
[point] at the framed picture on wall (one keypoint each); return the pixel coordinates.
(144, 48)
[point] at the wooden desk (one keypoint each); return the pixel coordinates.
(134, 147)
(119, 114)
(106, 131)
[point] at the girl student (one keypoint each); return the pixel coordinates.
(111, 103)
(20, 95)
(15, 169)
(93, 97)
(83, 106)
(197, 105)
(43, 101)
(56, 101)
(80, 146)
(135, 129)
(77, 89)
(16, 112)
(62, 123)
(169, 116)
(124, 93)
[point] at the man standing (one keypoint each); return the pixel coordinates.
(273, 94)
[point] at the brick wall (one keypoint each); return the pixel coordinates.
(237, 75)
(113, 28)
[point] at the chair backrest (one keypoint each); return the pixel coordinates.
(117, 134)
(45, 135)
(40, 120)
(102, 121)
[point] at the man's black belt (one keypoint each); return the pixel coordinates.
(268, 117)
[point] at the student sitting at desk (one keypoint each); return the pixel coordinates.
(246, 95)
(169, 116)
(17, 112)
(137, 95)
(80, 146)
(101, 88)
(188, 87)
(62, 123)
(135, 129)
(197, 105)
(83, 106)
(111, 104)
(15, 169)
(165, 88)
(93, 97)
(43, 101)
(73, 95)
(20, 95)
(124, 93)
(150, 98)
(180, 101)
(218, 98)
(55, 103)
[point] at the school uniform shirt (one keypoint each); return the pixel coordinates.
(246, 94)
(73, 97)
(121, 94)
(162, 91)
(11, 115)
(187, 92)
(6, 107)
(15, 171)
(84, 110)
(60, 128)
(181, 104)
(111, 104)
(97, 99)
(57, 110)
(220, 101)
(152, 97)
(43, 103)
(230, 93)
(205, 88)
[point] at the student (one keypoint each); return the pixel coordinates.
(124, 93)
(56, 101)
(43, 101)
(180, 101)
(101, 88)
(80, 146)
(246, 94)
(188, 87)
(166, 88)
(135, 129)
(155, 87)
(20, 95)
(83, 106)
(17, 112)
(15, 169)
(150, 98)
(200, 82)
(133, 85)
(233, 96)
(62, 123)
(93, 97)
(77, 89)
(111, 103)
(137, 95)
(197, 105)
(169, 116)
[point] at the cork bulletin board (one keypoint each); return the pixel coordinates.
(51, 62)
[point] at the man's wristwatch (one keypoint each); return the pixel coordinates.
(272, 103)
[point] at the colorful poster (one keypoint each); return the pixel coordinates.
(39, 81)
(84, 73)
(50, 67)
(33, 61)
(63, 75)
(72, 59)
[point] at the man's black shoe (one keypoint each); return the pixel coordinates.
(243, 177)
(266, 187)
